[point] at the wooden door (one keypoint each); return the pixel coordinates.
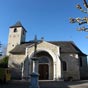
(43, 71)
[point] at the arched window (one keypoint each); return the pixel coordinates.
(44, 60)
(15, 30)
(64, 65)
(80, 61)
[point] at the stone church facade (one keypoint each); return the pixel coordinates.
(56, 59)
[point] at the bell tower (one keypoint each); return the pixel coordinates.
(17, 35)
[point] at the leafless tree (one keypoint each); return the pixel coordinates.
(83, 20)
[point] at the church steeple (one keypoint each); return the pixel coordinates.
(17, 35)
(18, 24)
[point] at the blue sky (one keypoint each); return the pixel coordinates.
(45, 18)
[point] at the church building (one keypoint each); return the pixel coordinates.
(57, 60)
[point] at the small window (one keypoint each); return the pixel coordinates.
(64, 65)
(12, 45)
(80, 61)
(15, 30)
(23, 32)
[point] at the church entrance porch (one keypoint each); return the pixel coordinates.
(43, 72)
(45, 66)
(48, 64)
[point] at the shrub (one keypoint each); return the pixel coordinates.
(4, 62)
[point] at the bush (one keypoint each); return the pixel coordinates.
(4, 62)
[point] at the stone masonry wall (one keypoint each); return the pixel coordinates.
(84, 68)
(15, 65)
(72, 63)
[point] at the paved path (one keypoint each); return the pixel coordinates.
(63, 84)
(47, 84)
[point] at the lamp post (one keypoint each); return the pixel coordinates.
(34, 75)
(83, 20)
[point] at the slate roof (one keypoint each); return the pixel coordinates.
(18, 24)
(65, 47)
(20, 49)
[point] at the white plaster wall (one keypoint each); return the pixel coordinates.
(58, 68)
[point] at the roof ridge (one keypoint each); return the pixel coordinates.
(61, 41)
(17, 24)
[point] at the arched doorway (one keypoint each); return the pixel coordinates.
(45, 66)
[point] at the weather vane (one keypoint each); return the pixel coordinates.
(83, 20)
